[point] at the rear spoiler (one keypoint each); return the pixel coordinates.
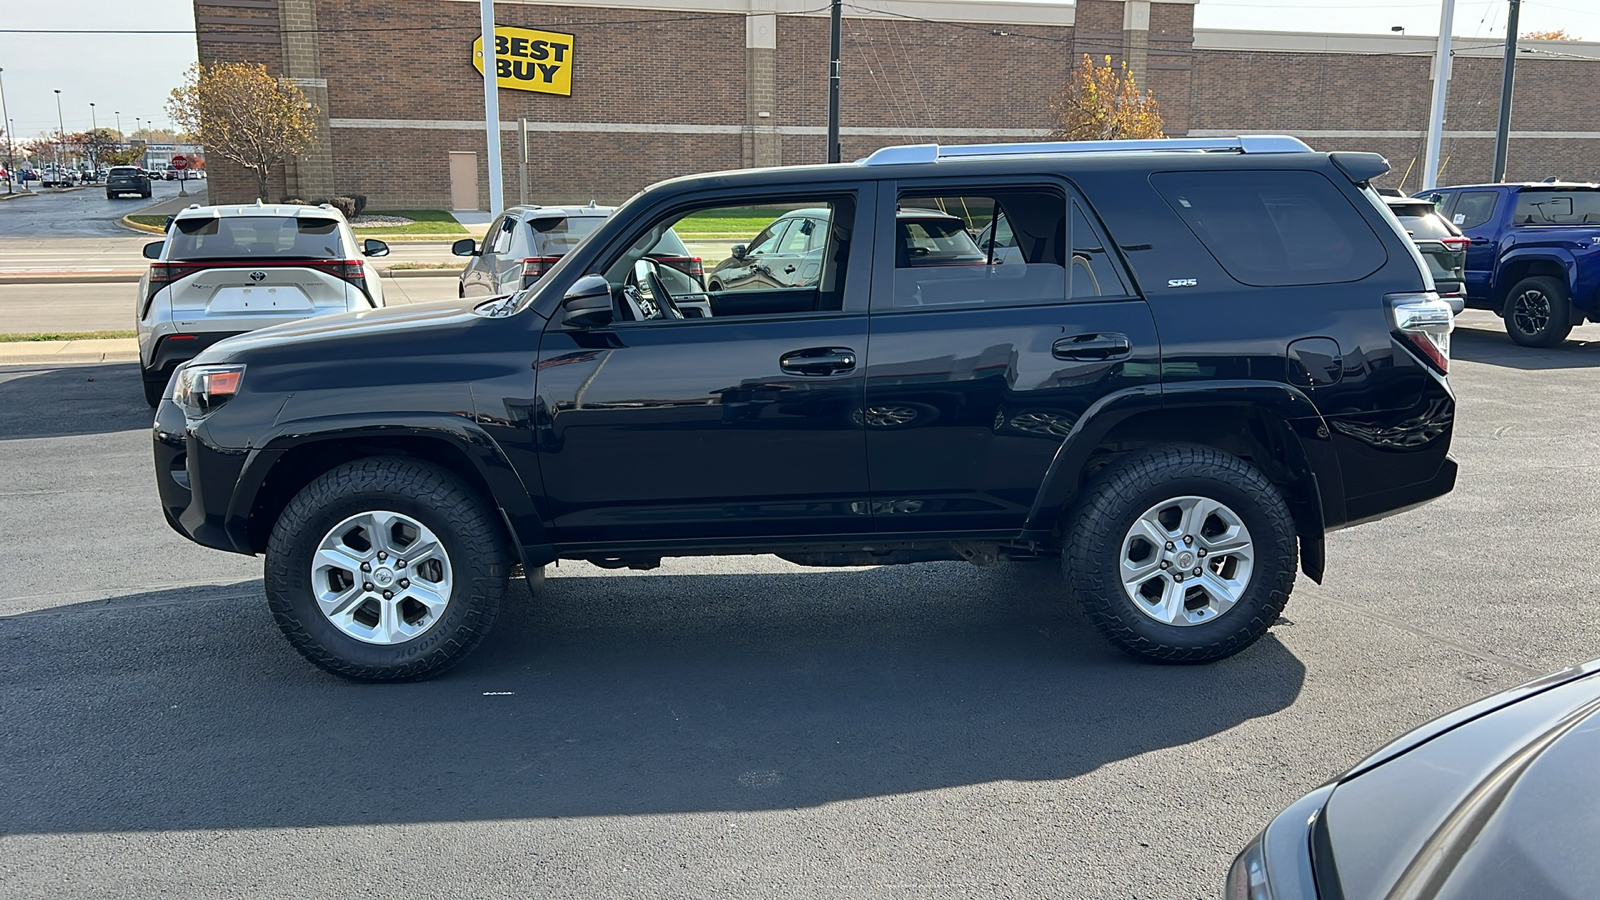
(1360, 167)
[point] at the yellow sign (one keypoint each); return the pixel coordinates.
(529, 60)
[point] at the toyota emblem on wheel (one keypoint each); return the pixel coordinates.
(258, 276)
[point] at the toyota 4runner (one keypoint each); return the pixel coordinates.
(1186, 361)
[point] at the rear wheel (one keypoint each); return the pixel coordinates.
(1538, 312)
(155, 385)
(386, 569)
(1181, 554)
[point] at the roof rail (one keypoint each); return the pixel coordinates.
(927, 153)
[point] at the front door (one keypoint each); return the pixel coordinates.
(983, 358)
(1474, 212)
(737, 426)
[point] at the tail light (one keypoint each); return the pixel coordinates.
(534, 267)
(688, 265)
(164, 274)
(1425, 322)
(1456, 244)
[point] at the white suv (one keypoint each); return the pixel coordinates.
(226, 270)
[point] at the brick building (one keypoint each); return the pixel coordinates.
(668, 87)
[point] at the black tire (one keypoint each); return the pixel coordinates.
(155, 385)
(465, 527)
(1103, 515)
(1538, 312)
(110, 196)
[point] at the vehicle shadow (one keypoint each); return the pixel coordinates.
(67, 400)
(607, 696)
(1489, 344)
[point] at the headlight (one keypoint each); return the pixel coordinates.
(199, 390)
(1247, 879)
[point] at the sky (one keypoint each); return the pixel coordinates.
(133, 73)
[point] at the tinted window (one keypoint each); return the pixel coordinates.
(1557, 208)
(767, 241)
(798, 238)
(1429, 227)
(1474, 208)
(556, 235)
(1093, 272)
(500, 235)
(245, 236)
(1275, 228)
(1022, 259)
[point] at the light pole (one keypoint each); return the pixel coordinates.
(118, 114)
(11, 159)
(94, 125)
(1441, 88)
(61, 133)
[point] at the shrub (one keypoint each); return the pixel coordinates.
(361, 202)
(345, 205)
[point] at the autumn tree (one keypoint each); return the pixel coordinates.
(95, 144)
(241, 113)
(1560, 34)
(1100, 103)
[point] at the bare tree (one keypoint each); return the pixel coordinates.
(241, 113)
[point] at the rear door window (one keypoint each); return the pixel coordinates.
(1474, 208)
(1275, 228)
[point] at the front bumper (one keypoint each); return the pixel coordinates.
(196, 481)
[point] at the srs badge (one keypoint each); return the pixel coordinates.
(528, 60)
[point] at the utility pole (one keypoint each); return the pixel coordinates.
(833, 83)
(120, 136)
(11, 157)
(61, 134)
(1502, 134)
(522, 132)
(1441, 90)
(491, 109)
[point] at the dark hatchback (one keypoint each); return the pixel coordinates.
(1498, 799)
(1191, 360)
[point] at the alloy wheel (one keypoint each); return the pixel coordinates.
(1531, 311)
(1186, 561)
(381, 577)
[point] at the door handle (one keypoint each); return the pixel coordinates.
(818, 361)
(789, 270)
(1093, 347)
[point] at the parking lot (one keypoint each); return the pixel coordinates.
(737, 726)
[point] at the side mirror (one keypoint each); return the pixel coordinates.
(738, 251)
(464, 247)
(152, 250)
(587, 304)
(374, 247)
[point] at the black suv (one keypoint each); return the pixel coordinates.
(1188, 361)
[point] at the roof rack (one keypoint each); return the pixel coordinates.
(927, 153)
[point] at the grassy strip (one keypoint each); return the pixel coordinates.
(18, 338)
(425, 221)
(153, 221)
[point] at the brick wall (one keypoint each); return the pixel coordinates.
(911, 81)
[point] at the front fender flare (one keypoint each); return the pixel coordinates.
(509, 494)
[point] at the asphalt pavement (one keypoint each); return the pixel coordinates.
(81, 213)
(738, 726)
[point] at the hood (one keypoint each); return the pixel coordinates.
(389, 322)
(1503, 805)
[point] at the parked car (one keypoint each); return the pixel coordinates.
(225, 270)
(1534, 254)
(127, 180)
(527, 241)
(1496, 799)
(56, 178)
(1442, 245)
(1259, 359)
(788, 252)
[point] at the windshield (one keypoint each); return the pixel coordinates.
(247, 236)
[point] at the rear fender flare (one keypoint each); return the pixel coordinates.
(1295, 420)
(1515, 256)
(488, 461)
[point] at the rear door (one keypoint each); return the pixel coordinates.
(240, 273)
(979, 364)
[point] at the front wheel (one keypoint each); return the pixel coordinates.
(1181, 554)
(386, 569)
(1538, 312)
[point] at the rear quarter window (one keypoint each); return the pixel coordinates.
(1272, 229)
(1538, 207)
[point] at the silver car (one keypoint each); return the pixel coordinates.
(226, 270)
(527, 241)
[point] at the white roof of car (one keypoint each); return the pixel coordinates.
(288, 210)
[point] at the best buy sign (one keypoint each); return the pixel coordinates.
(528, 60)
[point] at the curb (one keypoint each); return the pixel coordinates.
(131, 225)
(107, 350)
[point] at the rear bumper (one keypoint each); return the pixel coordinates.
(1381, 505)
(171, 350)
